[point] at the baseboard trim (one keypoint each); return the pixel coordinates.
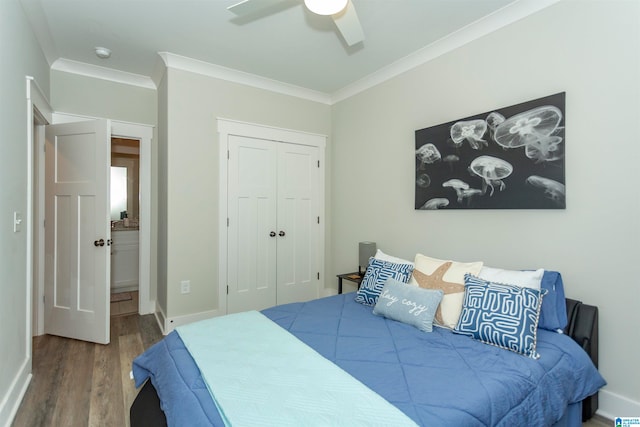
(12, 399)
(161, 319)
(612, 405)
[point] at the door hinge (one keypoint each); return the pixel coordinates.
(318, 275)
(227, 289)
(227, 222)
(318, 163)
(228, 155)
(318, 220)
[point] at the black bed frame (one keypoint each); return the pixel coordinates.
(582, 326)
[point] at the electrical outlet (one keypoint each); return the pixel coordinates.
(185, 286)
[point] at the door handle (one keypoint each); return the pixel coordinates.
(99, 242)
(272, 234)
(281, 233)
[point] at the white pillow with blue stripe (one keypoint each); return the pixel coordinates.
(376, 275)
(501, 314)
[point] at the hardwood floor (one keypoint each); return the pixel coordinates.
(76, 383)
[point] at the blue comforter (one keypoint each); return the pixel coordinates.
(437, 378)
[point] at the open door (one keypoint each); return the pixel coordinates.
(77, 231)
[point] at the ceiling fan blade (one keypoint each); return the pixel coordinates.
(247, 7)
(349, 25)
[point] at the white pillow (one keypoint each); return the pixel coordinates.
(524, 279)
(384, 257)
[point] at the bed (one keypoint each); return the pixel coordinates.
(435, 378)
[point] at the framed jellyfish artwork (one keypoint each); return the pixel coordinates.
(507, 158)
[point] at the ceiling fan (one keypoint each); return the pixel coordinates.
(342, 12)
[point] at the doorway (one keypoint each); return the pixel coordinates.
(125, 221)
(142, 133)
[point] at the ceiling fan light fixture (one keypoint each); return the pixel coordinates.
(325, 7)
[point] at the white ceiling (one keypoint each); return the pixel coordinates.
(287, 43)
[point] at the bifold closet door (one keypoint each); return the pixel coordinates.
(273, 226)
(252, 238)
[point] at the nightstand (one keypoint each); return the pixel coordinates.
(354, 277)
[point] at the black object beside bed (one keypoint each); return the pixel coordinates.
(582, 326)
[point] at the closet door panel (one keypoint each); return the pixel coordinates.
(297, 220)
(252, 204)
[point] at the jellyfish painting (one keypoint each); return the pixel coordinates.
(553, 190)
(492, 170)
(423, 180)
(528, 127)
(434, 204)
(450, 160)
(471, 131)
(494, 119)
(469, 193)
(545, 149)
(428, 154)
(457, 185)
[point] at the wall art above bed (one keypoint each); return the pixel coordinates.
(506, 158)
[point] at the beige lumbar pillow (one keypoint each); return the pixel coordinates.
(432, 273)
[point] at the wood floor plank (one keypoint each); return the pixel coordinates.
(149, 330)
(106, 387)
(130, 347)
(72, 405)
(49, 353)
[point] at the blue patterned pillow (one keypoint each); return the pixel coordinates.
(502, 315)
(408, 304)
(377, 273)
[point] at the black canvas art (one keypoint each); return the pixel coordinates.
(507, 158)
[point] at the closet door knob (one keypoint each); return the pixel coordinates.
(272, 234)
(281, 233)
(99, 242)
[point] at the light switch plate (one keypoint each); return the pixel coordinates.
(17, 222)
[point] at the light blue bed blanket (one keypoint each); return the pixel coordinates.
(436, 378)
(260, 375)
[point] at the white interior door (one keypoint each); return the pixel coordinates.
(77, 231)
(298, 223)
(252, 238)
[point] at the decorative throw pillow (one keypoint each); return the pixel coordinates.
(448, 276)
(377, 273)
(500, 314)
(408, 304)
(525, 278)
(386, 257)
(554, 310)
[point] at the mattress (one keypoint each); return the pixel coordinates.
(435, 378)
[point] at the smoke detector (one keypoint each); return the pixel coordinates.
(103, 52)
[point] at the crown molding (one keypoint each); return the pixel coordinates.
(507, 15)
(216, 71)
(98, 72)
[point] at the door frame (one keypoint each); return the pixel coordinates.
(226, 128)
(143, 133)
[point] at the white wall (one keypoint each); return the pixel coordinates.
(194, 101)
(93, 97)
(588, 49)
(22, 57)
